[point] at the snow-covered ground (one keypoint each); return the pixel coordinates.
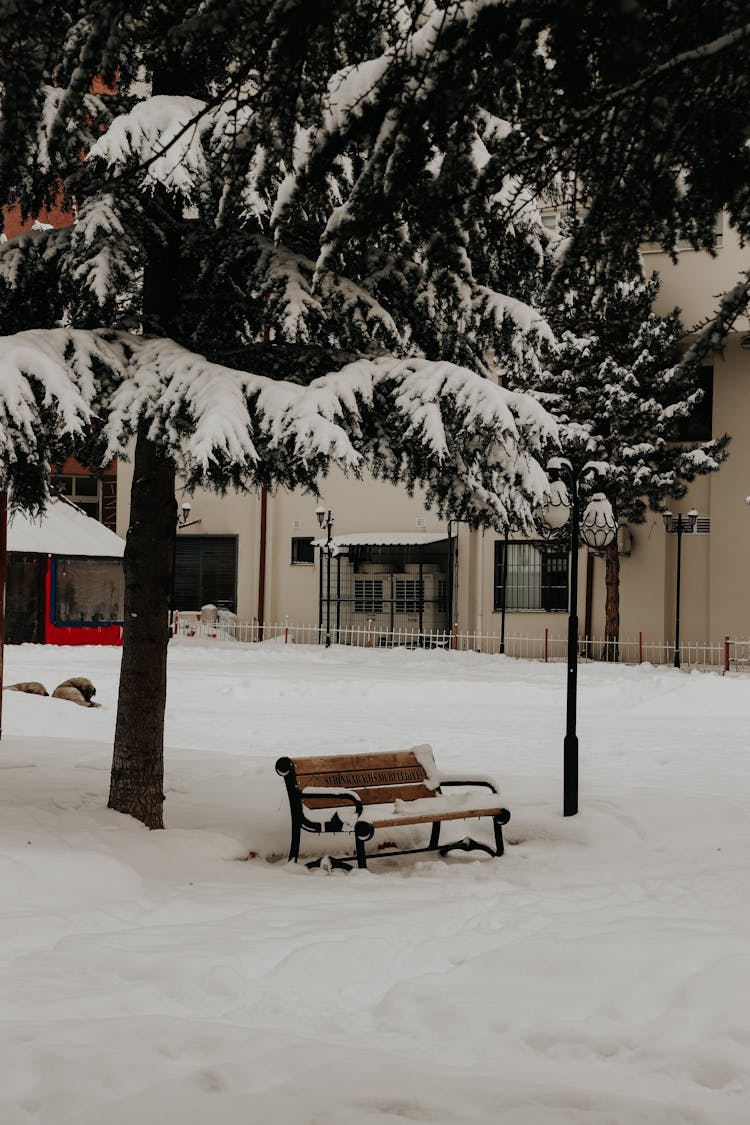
(597, 974)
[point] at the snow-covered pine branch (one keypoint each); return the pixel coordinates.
(104, 260)
(161, 139)
(471, 444)
(296, 303)
(39, 249)
(49, 383)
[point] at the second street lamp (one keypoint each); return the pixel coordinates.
(325, 520)
(679, 525)
(597, 528)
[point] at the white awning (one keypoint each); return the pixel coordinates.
(63, 530)
(385, 539)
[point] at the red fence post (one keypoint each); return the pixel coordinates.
(455, 635)
(640, 648)
(546, 645)
(727, 642)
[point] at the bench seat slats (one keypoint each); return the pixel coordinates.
(458, 814)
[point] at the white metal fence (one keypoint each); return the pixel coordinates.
(730, 654)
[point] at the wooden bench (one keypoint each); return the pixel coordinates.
(329, 794)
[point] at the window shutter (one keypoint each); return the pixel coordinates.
(205, 572)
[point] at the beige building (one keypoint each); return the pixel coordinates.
(254, 554)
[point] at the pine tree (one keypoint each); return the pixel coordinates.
(625, 396)
(237, 298)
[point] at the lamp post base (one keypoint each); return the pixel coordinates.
(570, 775)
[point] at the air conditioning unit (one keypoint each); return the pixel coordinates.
(379, 602)
(406, 603)
(370, 604)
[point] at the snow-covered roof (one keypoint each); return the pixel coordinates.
(385, 539)
(63, 530)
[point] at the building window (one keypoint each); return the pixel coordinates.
(536, 576)
(205, 572)
(85, 491)
(684, 243)
(698, 425)
(302, 549)
(551, 220)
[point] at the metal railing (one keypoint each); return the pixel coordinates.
(728, 655)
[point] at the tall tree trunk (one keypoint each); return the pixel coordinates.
(137, 781)
(612, 605)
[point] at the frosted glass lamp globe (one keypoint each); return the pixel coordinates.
(555, 513)
(598, 527)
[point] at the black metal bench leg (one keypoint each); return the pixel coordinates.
(434, 836)
(466, 845)
(498, 822)
(294, 845)
(362, 833)
(329, 863)
(470, 845)
(499, 845)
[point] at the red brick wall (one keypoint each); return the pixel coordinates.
(57, 216)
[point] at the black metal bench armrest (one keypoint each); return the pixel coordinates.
(312, 791)
(484, 782)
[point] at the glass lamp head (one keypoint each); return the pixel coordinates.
(598, 527)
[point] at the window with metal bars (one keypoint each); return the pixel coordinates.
(303, 552)
(698, 425)
(536, 576)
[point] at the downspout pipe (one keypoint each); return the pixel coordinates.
(3, 584)
(262, 561)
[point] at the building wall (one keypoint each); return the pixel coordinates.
(357, 506)
(694, 282)
(729, 545)
(291, 589)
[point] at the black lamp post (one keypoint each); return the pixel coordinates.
(597, 528)
(504, 603)
(325, 520)
(678, 525)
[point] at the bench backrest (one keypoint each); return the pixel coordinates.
(376, 778)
